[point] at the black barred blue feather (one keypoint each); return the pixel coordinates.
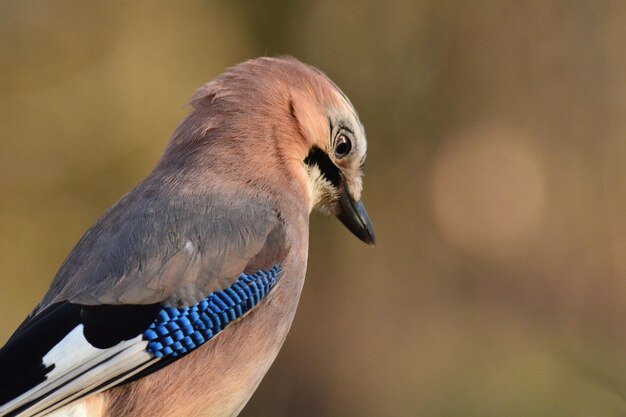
(177, 331)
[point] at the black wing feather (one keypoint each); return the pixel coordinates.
(21, 359)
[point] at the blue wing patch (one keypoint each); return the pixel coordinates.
(177, 331)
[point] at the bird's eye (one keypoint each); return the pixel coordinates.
(343, 146)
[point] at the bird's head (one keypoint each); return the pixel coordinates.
(335, 159)
(334, 147)
(296, 114)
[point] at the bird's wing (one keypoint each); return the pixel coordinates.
(153, 279)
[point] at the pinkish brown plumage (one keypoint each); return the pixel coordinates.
(264, 144)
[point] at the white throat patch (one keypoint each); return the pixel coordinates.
(323, 194)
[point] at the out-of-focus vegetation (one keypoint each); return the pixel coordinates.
(496, 181)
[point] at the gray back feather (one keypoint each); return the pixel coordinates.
(158, 245)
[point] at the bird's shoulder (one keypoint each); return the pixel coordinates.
(162, 244)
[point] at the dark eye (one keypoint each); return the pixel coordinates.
(343, 146)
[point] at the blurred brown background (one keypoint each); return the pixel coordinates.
(496, 181)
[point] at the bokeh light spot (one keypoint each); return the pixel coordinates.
(488, 190)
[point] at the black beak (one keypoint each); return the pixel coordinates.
(353, 215)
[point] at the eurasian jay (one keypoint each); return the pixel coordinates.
(178, 299)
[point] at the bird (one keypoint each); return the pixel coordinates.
(178, 299)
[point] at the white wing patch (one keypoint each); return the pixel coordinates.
(79, 369)
(75, 343)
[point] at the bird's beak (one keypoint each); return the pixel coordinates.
(353, 215)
